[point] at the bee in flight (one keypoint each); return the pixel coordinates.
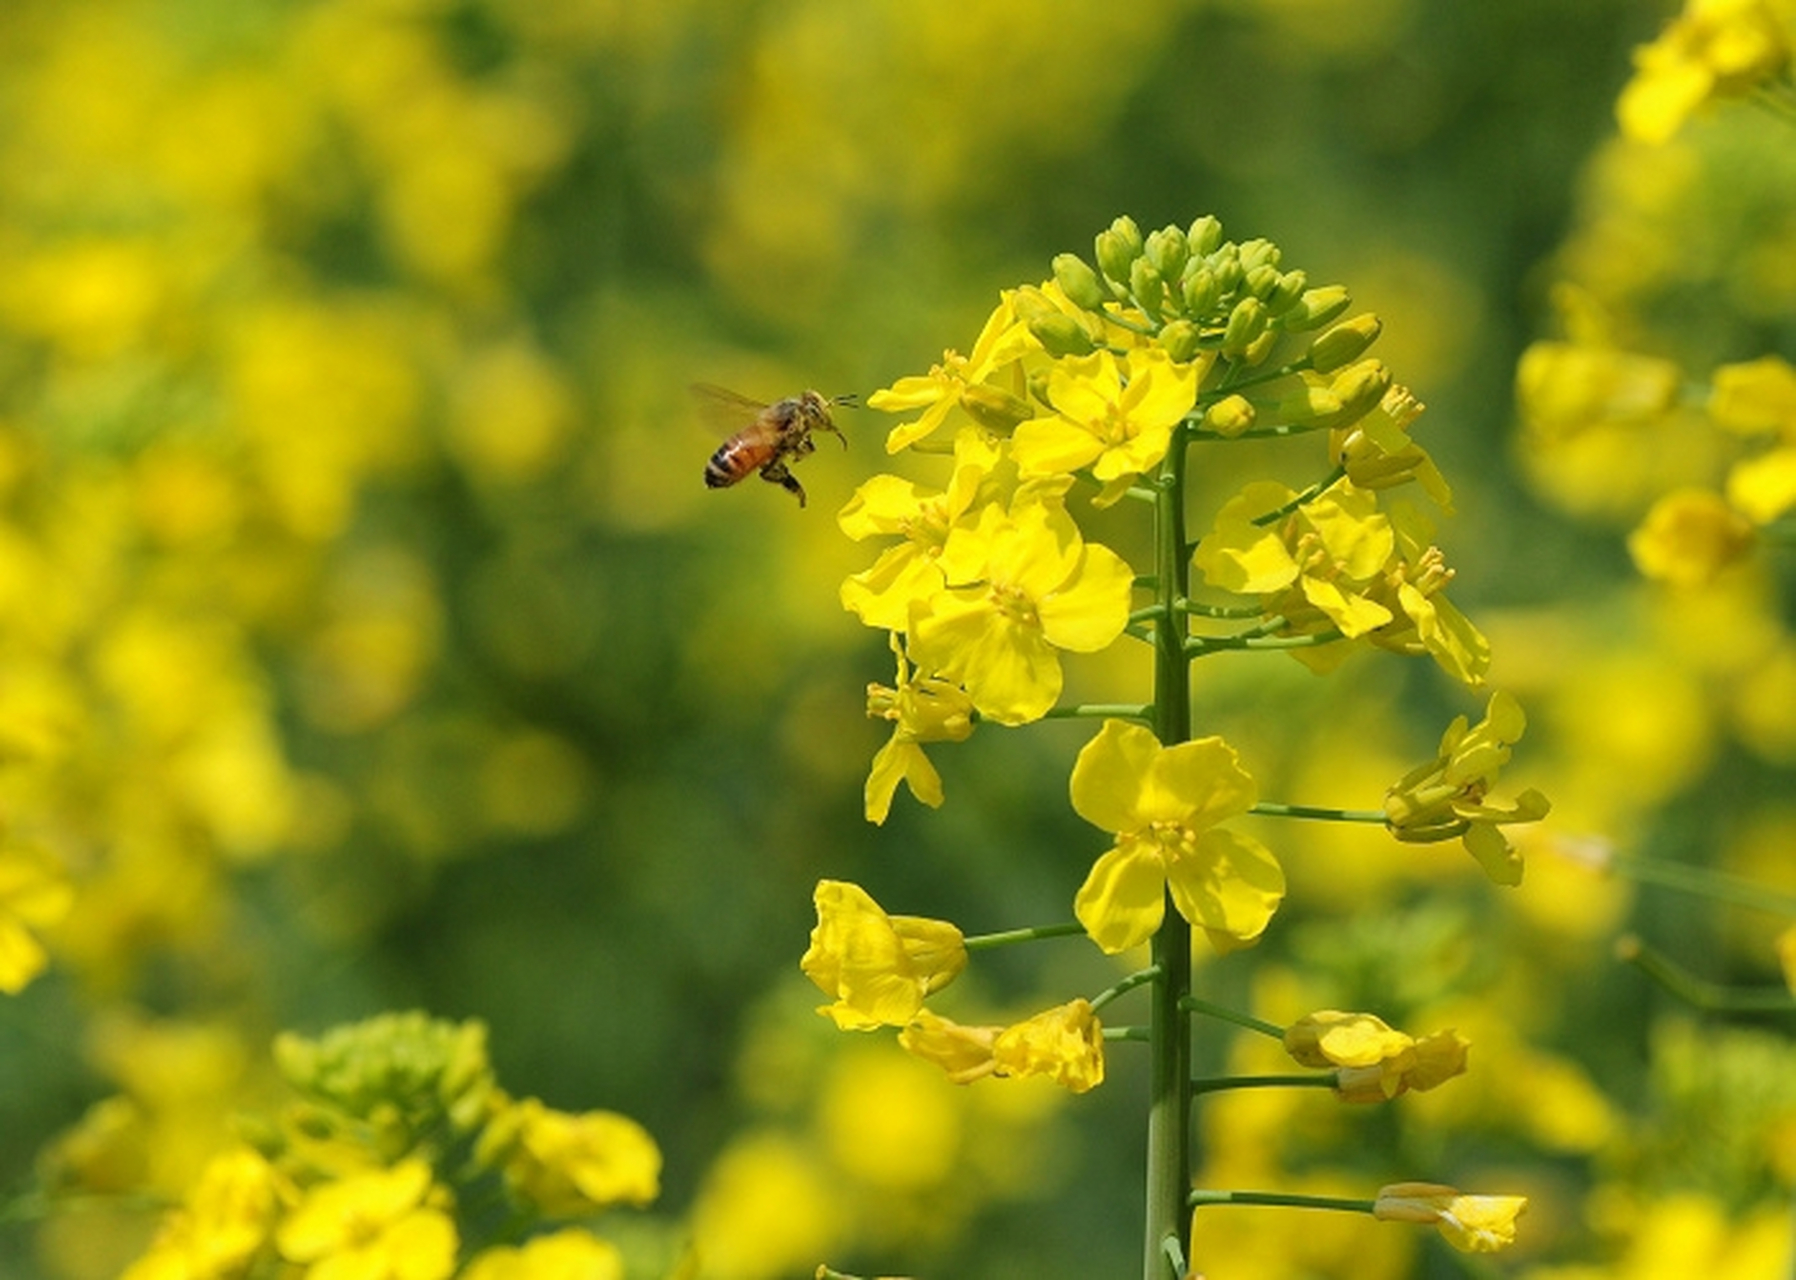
(777, 435)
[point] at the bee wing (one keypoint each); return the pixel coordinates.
(725, 411)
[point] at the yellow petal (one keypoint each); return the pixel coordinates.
(1123, 899)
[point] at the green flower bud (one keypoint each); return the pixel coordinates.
(1316, 308)
(1285, 294)
(1344, 343)
(1117, 247)
(1182, 340)
(1260, 347)
(1359, 388)
(1225, 265)
(1254, 253)
(1246, 323)
(1205, 234)
(1167, 250)
(995, 408)
(1301, 404)
(1199, 289)
(1260, 281)
(1061, 335)
(1147, 286)
(1230, 416)
(1079, 282)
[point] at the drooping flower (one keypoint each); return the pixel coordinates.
(1119, 429)
(1688, 537)
(946, 386)
(1471, 1224)
(382, 1224)
(1064, 1044)
(879, 968)
(1376, 451)
(1373, 1062)
(1449, 796)
(921, 709)
(1023, 584)
(1164, 804)
(1714, 49)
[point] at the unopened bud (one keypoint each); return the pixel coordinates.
(1260, 348)
(1205, 234)
(1286, 292)
(1117, 247)
(1260, 281)
(1182, 340)
(1167, 250)
(1316, 307)
(1230, 416)
(1199, 289)
(1255, 253)
(1079, 282)
(1359, 388)
(995, 408)
(1302, 404)
(1246, 323)
(1147, 286)
(1344, 343)
(1061, 335)
(1225, 265)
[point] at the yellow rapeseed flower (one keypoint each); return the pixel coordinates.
(572, 1254)
(938, 393)
(1065, 1044)
(1688, 537)
(922, 709)
(1119, 429)
(225, 1221)
(1471, 1224)
(1373, 1062)
(34, 895)
(382, 1224)
(571, 1166)
(1163, 804)
(1714, 49)
(879, 968)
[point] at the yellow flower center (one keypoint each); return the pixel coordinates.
(1015, 605)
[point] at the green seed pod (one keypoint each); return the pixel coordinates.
(1147, 286)
(1246, 323)
(1117, 247)
(1316, 308)
(1285, 294)
(1302, 404)
(1230, 416)
(1061, 335)
(1205, 234)
(1182, 340)
(995, 408)
(1344, 343)
(1260, 281)
(1167, 250)
(1199, 289)
(1079, 282)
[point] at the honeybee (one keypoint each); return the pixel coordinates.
(777, 435)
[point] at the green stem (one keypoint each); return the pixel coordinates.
(1129, 983)
(1102, 711)
(1219, 610)
(1281, 1199)
(1699, 992)
(986, 941)
(1198, 646)
(1193, 1004)
(1169, 1093)
(1268, 809)
(1294, 1080)
(1128, 1033)
(1308, 495)
(1704, 882)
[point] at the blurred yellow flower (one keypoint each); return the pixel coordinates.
(34, 895)
(1714, 49)
(1764, 488)
(1562, 387)
(571, 1254)
(1754, 397)
(1471, 1224)
(384, 1224)
(768, 1208)
(571, 1166)
(1689, 536)
(879, 968)
(1022, 585)
(223, 1223)
(1163, 804)
(1786, 956)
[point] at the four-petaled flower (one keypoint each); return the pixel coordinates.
(1471, 1224)
(879, 968)
(1448, 796)
(1022, 584)
(1163, 804)
(944, 387)
(1118, 429)
(383, 1224)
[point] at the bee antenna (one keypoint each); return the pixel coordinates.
(851, 400)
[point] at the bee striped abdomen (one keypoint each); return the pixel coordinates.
(733, 460)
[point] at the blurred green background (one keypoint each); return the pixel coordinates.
(369, 641)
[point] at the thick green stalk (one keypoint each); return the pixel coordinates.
(1169, 1106)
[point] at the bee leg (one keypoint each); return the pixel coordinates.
(776, 473)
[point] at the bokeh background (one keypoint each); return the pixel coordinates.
(368, 640)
